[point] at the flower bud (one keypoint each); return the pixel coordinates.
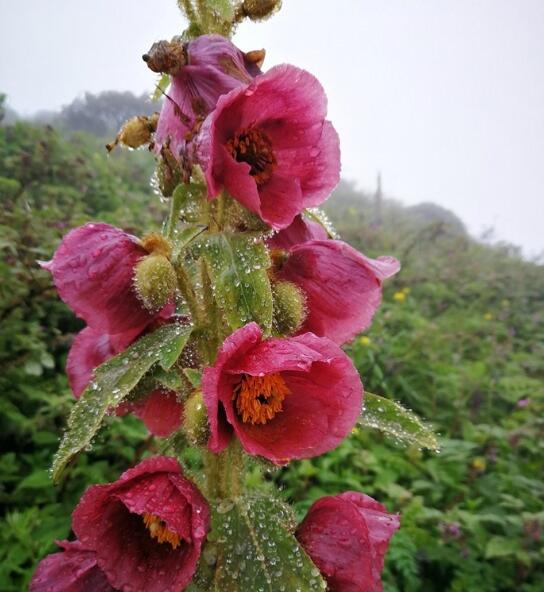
(257, 10)
(136, 132)
(289, 308)
(155, 281)
(195, 420)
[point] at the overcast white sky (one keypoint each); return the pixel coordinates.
(445, 97)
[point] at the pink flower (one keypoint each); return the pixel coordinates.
(283, 398)
(73, 570)
(269, 145)
(343, 287)
(160, 410)
(347, 537)
(214, 67)
(147, 528)
(93, 272)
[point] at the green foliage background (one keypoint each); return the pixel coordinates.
(461, 346)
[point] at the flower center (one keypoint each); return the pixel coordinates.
(259, 398)
(253, 146)
(158, 530)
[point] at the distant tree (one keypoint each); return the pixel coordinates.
(103, 114)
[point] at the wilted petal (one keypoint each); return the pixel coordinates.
(214, 67)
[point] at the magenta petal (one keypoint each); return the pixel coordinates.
(300, 231)
(287, 107)
(93, 272)
(347, 536)
(73, 570)
(239, 183)
(343, 287)
(281, 201)
(109, 520)
(160, 411)
(312, 421)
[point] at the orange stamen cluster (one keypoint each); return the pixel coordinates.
(259, 398)
(253, 146)
(158, 530)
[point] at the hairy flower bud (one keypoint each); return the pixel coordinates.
(257, 10)
(289, 308)
(155, 281)
(136, 132)
(195, 420)
(167, 57)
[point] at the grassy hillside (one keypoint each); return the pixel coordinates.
(459, 339)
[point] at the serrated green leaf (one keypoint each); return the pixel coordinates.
(252, 547)
(238, 266)
(393, 420)
(113, 381)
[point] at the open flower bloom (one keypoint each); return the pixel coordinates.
(269, 145)
(214, 66)
(160, 410)
(73, 570)
(146, 528)
(93, 271)
(343, 287)
(283, 398)
(347, 537)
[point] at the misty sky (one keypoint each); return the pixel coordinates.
(445, 97)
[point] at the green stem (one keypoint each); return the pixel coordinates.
(188, 293)
(188, 9)
(176, 202)
(225, 472)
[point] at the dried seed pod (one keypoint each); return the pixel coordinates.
(258, 10)
(137, 131)
(166, 57)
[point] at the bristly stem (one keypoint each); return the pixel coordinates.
(187, 8)
(176, 202)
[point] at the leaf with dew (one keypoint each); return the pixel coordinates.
(112, 382)
(396, 422)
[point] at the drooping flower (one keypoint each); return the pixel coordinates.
(343, 287)
(75, 569)
(282, 398)
(160, 410)
(269, 145)
(147, 528)
(93, 271)
(209, 67)
(347, 537)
